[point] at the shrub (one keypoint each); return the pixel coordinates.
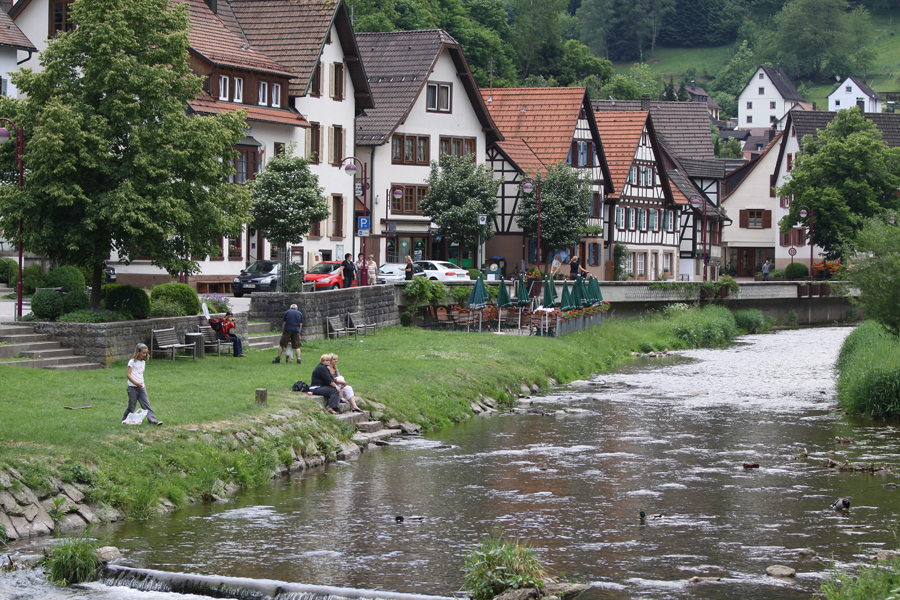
(131, 299)
(47, 304)
(69, 279)
(105, 290)
(800, 271)
(778, 273)
(33, 277)
(710, 326)
(90, 316)
(869, 372)
(73, 560)
(9, 272)
(751, 321)
(76, 300)
(179, 293)
(165, 307)
(871, 583)
(216, 303)
(500, 564)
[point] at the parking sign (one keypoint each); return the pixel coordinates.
(363, 223)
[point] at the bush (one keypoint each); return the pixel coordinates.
(33, 277)
(871, 583)
(179, 293)
(69, 279)
(76, 301)
(165, 307)
(710, 326)
(9, 272)
(130, 299)
(777, 274)
(90, 316)
(500, 564)
(105, 290)
(751, 321)
(73, 560)
(800, 271)
(868, 368)
(216, 303)
(47, 304)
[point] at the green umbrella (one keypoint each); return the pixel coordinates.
(548, 295)
(522, 298)
(477, 299)
(552, 284)
(566, 303)
(596, 294)
(583, 291)
(578, 293)
(503, 301)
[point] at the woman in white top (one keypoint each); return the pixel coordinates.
(346, 390)
(372, 269)
(137, 391)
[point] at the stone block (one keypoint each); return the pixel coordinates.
(86, 513)
(72, 492)
(7, 502)
(31, 511)
(70, 522)
(9, 527)
(410, 428)
(369, 426)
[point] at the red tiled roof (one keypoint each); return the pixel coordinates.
(206, 105)
(620, 132)
(11, 36)
(543, 117)
(520, 153)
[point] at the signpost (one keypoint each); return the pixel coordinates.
(793, 253)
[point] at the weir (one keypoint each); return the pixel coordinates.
(241, 588)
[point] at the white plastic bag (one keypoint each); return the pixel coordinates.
(135, 418)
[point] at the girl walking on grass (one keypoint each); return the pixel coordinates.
(137, 391)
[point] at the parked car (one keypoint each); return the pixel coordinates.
(439, 270)
(260, 276)
(110, 273)
(396, 272)
(327, 275)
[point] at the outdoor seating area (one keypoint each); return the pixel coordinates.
(355, 326)
(165, 341)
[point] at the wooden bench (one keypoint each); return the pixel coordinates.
(211, 341)
(165, 341)
(356, 323)
(336, 329)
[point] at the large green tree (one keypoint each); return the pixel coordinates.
(565, 203)
(846, 175)
(806, 34)
(874, 258)
(458, 191)
(287, 199)
(113, 160)
(640, 80)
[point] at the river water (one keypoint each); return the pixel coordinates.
(669, 437)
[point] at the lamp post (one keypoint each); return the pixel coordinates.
(397, 191)
(696, 201)
(482, 220)
(805, 210)
(20, 147)
(350, 170)
(528, 186)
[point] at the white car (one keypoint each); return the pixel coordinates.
(439, 270)
(389, 272)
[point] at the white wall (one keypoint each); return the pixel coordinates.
(761, 110)
(33, 22)
(840, 98)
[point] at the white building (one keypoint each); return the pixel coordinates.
(854, 92)
(768, 95)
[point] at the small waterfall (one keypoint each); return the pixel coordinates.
(241, 588)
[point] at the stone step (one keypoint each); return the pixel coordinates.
(82, 366)
(264, 342)
(364, 439)
(47, 353)
(23, 338)
(369, 426)
(42, 363)
(14, 329)
(16, 349)
(259, 327)
(352, 418)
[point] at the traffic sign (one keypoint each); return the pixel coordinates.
(364, 223)
(363, 233)
(792, 252)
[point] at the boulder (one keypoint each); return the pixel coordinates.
(887, 555)
(72, 492)
(698, 579)
(780, 571)
(410, 428)
(519, 594)
(348, 451)
(525, 389)
(563, 590)
(108, 554)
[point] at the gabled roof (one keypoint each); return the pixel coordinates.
(205, 104)
(11, 36)
(711, 168)
(294, 32)
(398, 65)
(683, 125)
(739, 175)
(782, 83)
(520, 153)
(213, 40)
(864, 88)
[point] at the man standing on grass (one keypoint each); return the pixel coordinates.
(292, 323)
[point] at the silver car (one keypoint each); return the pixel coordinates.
(440, 270)
(396, 272)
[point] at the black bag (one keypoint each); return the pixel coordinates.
(300, 386)
(216, 325)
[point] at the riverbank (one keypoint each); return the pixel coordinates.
(216, 439)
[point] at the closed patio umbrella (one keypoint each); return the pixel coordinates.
(549, 300)
(566, 303)
(503, 301)
(580, 293)
(596, 294)
(477, 299)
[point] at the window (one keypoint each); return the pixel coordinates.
(786, 201)
(315, 87)
(276, 95)
(642, 219)
(837, 102)
(772, 118)
(641, 259)
(223, 87)
(794, 237)
(629, 264)
(457, 147)
(755, 219)
(772, 105)
(654, 220)
(749, 118)
(263, 97)
(667, 262)
(790, 161)
(60, 17)
(238, 89)
(749, 106)
(761, 76)
(629, 213)
(596, 203)
(409, 203)
(762, 91)
(772, 185)
(337, 215)
(849, 89)
(314, 143)
(337, 81)
(410, 149)
(235, 249)
(246, 164)
(279, 148)
(437, 97)
(619, 218)
(336, 139)
(582, 154)
(315, 230)
(667, 219)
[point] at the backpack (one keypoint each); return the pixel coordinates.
(300, 386)
(216, 324)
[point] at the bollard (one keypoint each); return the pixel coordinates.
(261, 396)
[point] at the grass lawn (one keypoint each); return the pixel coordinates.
(672, 62)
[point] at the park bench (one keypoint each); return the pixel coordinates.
(357, 324)
(211, 341)
(336, 329)
(165, 341)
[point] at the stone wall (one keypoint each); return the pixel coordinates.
(106, 343)
(377, 304)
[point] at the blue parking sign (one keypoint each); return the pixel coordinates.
(363, 223)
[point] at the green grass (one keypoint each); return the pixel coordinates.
(499, 564)
(672, 62)
(881, 582)
(73, 560)
(869, 372)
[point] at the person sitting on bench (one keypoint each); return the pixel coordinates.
(322, 383)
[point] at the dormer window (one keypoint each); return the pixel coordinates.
(263, 93)
(438, 97)
(238, 89)
(223, 87)
(276, 95)
(60, 17)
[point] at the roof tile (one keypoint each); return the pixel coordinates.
(683, 126)
(11, 36)
(207, 105)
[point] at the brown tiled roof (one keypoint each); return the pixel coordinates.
(782, 83)
(811, 122)
(11, 36)
(620, 132)
(521, 154)
(212, 39)
(737, 176)
(207, 105)
(398, 64)
(293, 32)
(684, 126)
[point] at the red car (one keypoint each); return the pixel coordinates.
(327, 275)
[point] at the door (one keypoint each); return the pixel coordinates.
(747, 262)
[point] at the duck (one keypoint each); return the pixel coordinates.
(654, 517)
(401, 518)
(841, 504)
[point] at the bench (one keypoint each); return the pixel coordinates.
(357, 324)
(211, 341)
(336, 329)
(165, 341)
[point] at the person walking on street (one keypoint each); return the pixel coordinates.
(408, 269)
(372, 268)
(347, 270)
(766, 268)
(292, 323)
(137, 391)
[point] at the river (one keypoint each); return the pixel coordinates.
(669, 437)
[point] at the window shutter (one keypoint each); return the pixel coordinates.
(744, 219)
(309, 141)
(343, 144)
(331, 148)
(573, 152)
(331, 81)
(343, 83)
(767, 219)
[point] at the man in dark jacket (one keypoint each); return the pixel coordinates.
(292, 323)
(322, 383)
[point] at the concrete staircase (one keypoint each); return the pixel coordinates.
(35, 351)
(262, 342)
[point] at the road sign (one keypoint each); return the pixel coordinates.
(363, 233)
(364, 223)
(792, 252)
(358, 188)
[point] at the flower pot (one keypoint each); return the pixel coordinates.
(802, 291)
(824, 289)
(815, 289)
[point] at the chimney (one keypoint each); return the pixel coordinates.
(212, 4)
(6, 5)
(645, 102)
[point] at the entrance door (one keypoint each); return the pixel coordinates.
(746, 266)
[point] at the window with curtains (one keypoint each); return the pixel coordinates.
(457, 146)
(410, 149)
(438, 97)
(667, 262)
(246, 165)
(641, 265)
(409, 202)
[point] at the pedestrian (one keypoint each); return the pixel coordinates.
(575, 268)
(348, 269)
(322, 383)
(227, 325)
(137, 390)
(408, 269)
(766, 268)
(372, 268)
(362, 273)
(291, 324)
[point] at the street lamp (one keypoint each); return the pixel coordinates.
(696, 201)
(397, 191)
(527, 187)
(350, 170)
(805, 210)
(20, 148)
(482, 220)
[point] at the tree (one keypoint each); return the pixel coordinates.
(565, 207)
(846, 175)
(594, 18)
(458, 191)
(578, 63)
(639, 81)
(807, 30)
(733, 149)
(874, 260)
(114, 162)
(701, 23)
(538, 32)
(734, 76)
(287, 199)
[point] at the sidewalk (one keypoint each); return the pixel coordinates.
(8, 309)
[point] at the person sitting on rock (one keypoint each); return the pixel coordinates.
(323, 384)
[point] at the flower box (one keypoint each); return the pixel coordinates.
(802, 291)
